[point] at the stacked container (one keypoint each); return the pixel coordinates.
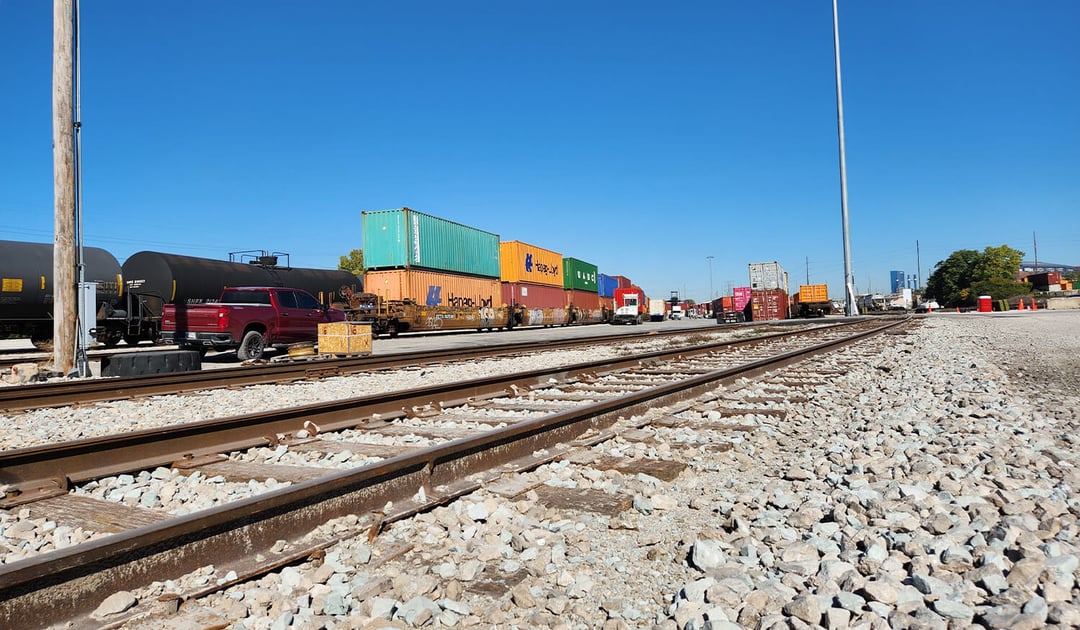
(606, 286)
(531, 275)
(580, 279)
(767, 276)
(409, 255)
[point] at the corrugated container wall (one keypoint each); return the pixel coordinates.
(766, 276)
(769, 305)
(624, 282)
(580, 275)
(742, 296)
(433, 288)
(583, 299)
(521, 262)
(606, 285)
(813, 293)
(405, 238)
(533, 295)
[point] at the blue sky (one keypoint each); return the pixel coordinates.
(637, 136)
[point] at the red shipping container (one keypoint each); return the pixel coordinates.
(583, 299)
(742, 296)
(623, 281)
(533, 295)
(607, 302)
(769, 305)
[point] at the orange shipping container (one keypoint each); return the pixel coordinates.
(521, 262)
(433, 288)
(813, 293)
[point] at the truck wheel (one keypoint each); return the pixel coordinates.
(251, 346)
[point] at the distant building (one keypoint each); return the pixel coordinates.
(896, 281)
(1028, 266)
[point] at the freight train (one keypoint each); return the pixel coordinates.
(129, 298)
(393, 317)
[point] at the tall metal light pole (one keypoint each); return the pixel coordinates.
(709, 258)
(849, 277)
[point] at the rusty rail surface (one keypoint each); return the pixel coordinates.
(105, 389)
(64, 584)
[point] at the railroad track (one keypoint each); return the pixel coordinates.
(64, 393)
(538, 417)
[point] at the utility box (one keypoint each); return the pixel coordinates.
(87, 313)
(345, 338)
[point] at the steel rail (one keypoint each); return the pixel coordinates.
(66, 583)
(105, 389)
(37, 472)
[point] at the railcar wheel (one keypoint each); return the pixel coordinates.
(251, 346)
(112, 338)
(132, 340)
(391, 329)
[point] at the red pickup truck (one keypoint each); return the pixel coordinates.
(248, 319)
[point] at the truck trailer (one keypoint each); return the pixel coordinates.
(812, 300)
(657, 309)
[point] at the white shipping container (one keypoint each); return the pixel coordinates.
(768, 276)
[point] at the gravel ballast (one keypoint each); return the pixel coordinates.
(934, 485)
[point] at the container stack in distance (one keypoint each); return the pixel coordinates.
(409, 255)
(769, 291)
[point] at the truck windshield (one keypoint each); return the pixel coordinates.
(245, 297)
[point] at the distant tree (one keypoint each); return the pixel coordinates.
(1001, 289)
(354, 262)
(1073, 277)
(952, 277)
(998, 263)
(966, 274)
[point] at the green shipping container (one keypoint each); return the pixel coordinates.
(580, 275)
(406, 239)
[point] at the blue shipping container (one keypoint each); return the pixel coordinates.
(406, 239)
(607, 285)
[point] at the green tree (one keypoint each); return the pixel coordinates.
(354, 262)
(998, 263)
(952, 276)
(967, 274)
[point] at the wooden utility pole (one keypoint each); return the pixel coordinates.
(63, 289)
